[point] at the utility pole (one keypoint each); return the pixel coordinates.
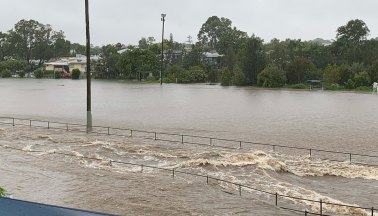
(88, 46)
(162, 50)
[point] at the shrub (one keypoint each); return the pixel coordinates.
(38, 73)
(2, 192)
(350, 84)
(21, 73)
(212, 75)
(6, 73)
(57, 74)
(271, 77)
(333, 86)
(361, 79)
(197, 74)
(226, 77)
(76, 74)
(332, 74)
(176, 72)
(297, 86)
(239, 78)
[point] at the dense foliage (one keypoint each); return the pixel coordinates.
(350, 61)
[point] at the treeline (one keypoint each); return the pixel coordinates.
(349, 61)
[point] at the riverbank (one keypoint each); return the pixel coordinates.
(292, 87)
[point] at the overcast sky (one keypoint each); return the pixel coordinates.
(126, 21)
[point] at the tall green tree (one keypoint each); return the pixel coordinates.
(32, 40)
(300, 70)
(355, 31)
(212, 30)
(253, 59)
(135, 62)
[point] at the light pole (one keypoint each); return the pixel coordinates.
(88, 49)
(162, 50)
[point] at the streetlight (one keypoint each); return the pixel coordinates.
(162, 50)
(88, 47)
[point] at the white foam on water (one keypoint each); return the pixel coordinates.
(43, 136)
(28, 148)
(259, 159)
(308, 167)
(295, 191)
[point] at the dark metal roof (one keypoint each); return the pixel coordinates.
(13, 207)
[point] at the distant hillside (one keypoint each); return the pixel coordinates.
(322, 41)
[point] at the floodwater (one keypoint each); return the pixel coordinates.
(340, 121)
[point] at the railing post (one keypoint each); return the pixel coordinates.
(108, 131)
(372, 211)
(30, 123)
(211, 141)
(155, 135)
(131, 133)
(310, 152)
(240, 143)
(173, 172)
(13, 122)
(321, 207)
(207, 179)
(67, 126)
(240, 190)
(276, 199)
(305, 212)
(48, 125)
(350, 158)
(182, 139)
(141, 168)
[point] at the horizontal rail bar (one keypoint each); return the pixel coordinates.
(192, 174)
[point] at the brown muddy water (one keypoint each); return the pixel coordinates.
(327, 120)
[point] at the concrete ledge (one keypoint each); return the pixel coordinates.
(13, 207)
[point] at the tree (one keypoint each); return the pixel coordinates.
(212, 30)
(31, 40)
(350, 38)
(78, 49)
(3, 46)
(355, 31)
(373, 71)
(253, 59)
(331, 74)
(300, 70)
(271, 77)
(137, 61)
(60, 46)
(142, 44)
(231, 38)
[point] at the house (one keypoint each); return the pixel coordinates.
(68, 64)
(212, 58)
(59, 65)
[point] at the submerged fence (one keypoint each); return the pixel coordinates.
(339, 156)
(197, 140)
(277, 197)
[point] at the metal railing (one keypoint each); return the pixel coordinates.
(339, 156)
(240, 187)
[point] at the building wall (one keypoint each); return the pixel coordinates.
(81, 67)
(49, 67)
